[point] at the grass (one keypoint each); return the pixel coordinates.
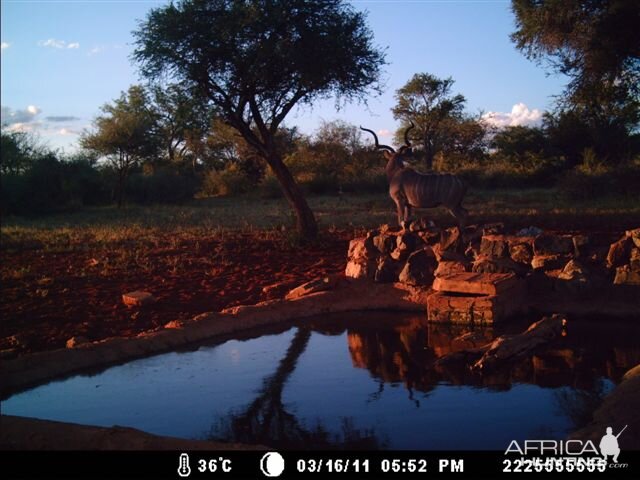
(214, 217)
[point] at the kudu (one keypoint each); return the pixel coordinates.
(410, 189)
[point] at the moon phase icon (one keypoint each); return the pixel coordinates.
(272, 464)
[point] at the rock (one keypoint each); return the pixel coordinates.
(385, 243)
(477, 283)
(575, 277)
(549, 262)
(550, 244)
(75, 341)
(484, 264)
(361, 258)
(474, 310)
(493, 228)
(138, 299)
(387, 270)
(495, 246)
(430, 236)
(626, 276)
(450, 239)
(447, 255)
(419, 268)
(634, 235)
(316, 285)
(405, 244)
(508, 348)
(634, 260)
(619, 252)
(580, 246)
(8, 353)
(449, 267)
(174, 324)
(521, 253)
(421, 224)
(529, 232)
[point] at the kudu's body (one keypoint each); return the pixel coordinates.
(410, 189)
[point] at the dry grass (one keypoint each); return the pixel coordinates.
(272, 218)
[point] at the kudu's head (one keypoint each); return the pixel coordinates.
(395, 160)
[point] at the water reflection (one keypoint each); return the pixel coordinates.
(266, 420)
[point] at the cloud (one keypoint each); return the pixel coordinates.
(59, 44)
(520, 115)
(384, 133)
(95, 51)
(12, 117)
(61, 118)
(5, 45)
(68, 131)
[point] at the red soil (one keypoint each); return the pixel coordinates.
(48, 297)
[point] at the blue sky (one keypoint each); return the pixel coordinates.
(63, 60)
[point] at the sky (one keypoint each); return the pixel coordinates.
(64, 59)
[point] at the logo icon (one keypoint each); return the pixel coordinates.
(609, 444)
(184, 470)
(272, 464)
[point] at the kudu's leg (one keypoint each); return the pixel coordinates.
(460, 213)
(400, 207)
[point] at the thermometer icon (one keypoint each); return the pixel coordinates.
(184, 470)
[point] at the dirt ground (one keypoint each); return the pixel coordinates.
(50, 296)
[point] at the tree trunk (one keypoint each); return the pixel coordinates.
(305, 221)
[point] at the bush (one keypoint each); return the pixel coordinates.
(270, 187)
(584, 182)
(162, 186)
(229, 181)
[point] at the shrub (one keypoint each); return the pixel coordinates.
(229, 181)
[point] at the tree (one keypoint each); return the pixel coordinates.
(255, 60)
(19, 151)
(426, 100)
(596, 44)
(181, 120)
(125, 135)
(516, 141)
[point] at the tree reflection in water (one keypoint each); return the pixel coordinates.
(266, 421)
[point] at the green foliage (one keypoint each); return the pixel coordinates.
(596, 44)
(441, 126)
(255, 60)
(161, 186)
(229, 181)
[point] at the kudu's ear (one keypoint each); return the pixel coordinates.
(388, 155)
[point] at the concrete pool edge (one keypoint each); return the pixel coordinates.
(22, 433)
(349, 295)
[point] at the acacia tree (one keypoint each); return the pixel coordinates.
(125, 135)
(427, 101)
(255, 60)
(597, 45)
(181, 119)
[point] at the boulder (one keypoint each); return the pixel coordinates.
(75, 341)
(581, 246)
(521, 252)
(138, 299)
(495, 246)
(405, 244)
(634, 235)
(419, 268)
(619, 252)
(484, 264)
(634, 260)
(387, 270)
(551, 244)
(421, 224)
(451, 239)
(508, 348)
(549, 262)
(575, 277)
(361, 258)
(318, 285)
(447, 255)
(430, 236)
(626, 276)
(493, 228)
(448, 267)
(385, 243)
(477, 283)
